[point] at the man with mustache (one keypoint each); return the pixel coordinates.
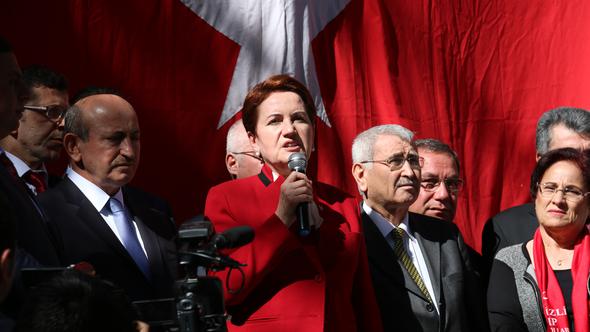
(420, 266)
(126, 234)
(38, 138)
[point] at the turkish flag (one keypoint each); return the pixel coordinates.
(474, 74)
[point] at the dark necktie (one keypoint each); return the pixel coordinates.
(401, 253)
(37, 180)
(123, 222)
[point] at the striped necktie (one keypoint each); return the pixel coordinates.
(401, 253)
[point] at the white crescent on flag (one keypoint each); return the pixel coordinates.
(274, 37)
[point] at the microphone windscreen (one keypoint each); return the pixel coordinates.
(234, 237)
(297, 162)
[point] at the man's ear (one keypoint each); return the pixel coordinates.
(14, 133)
(252, 139)
(360, 176)
(254, 142)
(537, 157)
(72, 147)
(232, 165)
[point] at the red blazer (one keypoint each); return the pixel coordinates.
(320, 283)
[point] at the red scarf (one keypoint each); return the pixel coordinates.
(551, 295)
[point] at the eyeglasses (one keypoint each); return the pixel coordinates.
(396, 162)
(453, 185)
(571, 194)
(249, 154)
(53, 112)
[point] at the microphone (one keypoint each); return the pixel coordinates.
(233, 237)
(298, 163)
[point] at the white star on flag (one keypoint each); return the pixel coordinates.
(275, 38)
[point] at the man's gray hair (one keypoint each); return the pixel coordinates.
(436, 146)
(233, 137)
(574, 119)
(363, 144)
(73, 123)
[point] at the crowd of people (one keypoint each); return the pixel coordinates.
(390, 259)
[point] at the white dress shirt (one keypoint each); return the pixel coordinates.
(410, 244)
(100, 200)
(22, 168)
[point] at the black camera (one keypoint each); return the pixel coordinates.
(198, 305)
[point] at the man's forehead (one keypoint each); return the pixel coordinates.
(438, 164)
(563, 137)
(391, 145)
(48, 95)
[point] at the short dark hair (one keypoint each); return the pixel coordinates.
(94, 90)
(40, 76)
(574, 119)
(5, 46)
(261, 91)
(580, 158)
(75, 301)
(434, 145)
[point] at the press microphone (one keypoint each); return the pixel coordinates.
(298, 163)
(233, 237)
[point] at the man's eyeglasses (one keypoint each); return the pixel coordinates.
(53, 113)
(396, 162)
(571, 194)
(249, 154)
(453, 185)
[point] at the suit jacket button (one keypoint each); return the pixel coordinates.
(430, 307)
(318, 278)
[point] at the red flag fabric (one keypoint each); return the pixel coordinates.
(475, 74)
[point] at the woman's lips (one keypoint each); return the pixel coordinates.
(556, 212)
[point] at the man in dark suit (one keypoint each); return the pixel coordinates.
(38, 138)
(126, 234)
(35, 242)
(563, 127)
(420, 266)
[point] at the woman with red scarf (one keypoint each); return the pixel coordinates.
(542, 285)
(293, 281)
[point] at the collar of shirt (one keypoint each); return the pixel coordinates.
(21, 167)
(384, 226)
(412, 246)
(95, 195)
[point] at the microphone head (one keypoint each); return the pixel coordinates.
(234, 237)
(297, 162)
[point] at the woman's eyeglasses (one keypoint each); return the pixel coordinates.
(572, 194)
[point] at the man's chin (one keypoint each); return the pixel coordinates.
(440, 214)
(121, 178)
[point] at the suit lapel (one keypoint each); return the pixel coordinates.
(144, 217)
(89, 217)
(382, 257)
(430, 249)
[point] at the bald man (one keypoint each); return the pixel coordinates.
(125, 233)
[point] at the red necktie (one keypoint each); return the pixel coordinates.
(37, 180)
